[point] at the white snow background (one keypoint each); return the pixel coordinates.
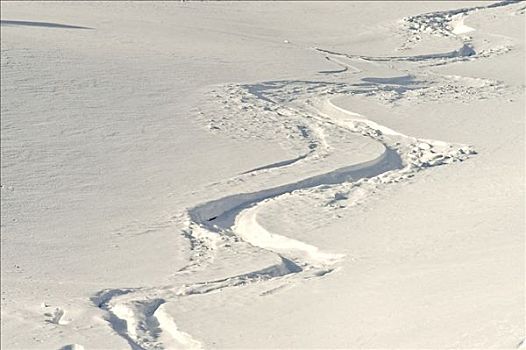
(283, 175)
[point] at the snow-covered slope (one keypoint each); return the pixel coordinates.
(262, 175)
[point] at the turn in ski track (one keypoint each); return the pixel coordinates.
(135, 313)
(230, 222)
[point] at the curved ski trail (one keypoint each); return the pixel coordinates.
(136, 314)
(230, 222)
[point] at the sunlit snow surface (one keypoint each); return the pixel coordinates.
(262, 175)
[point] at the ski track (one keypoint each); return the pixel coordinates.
(466, 50)
(133, 313)
(449, 24)
(345, 66)
(442, 23)
(277, 164)
(305, 112)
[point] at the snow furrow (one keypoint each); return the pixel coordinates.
(217, 172)
(466, 50)
(277, 164)
(312, 110)
(133, 312)
(444, 23)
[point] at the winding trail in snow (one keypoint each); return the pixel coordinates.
(139, 315)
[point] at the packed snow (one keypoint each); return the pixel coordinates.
(285, 175)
